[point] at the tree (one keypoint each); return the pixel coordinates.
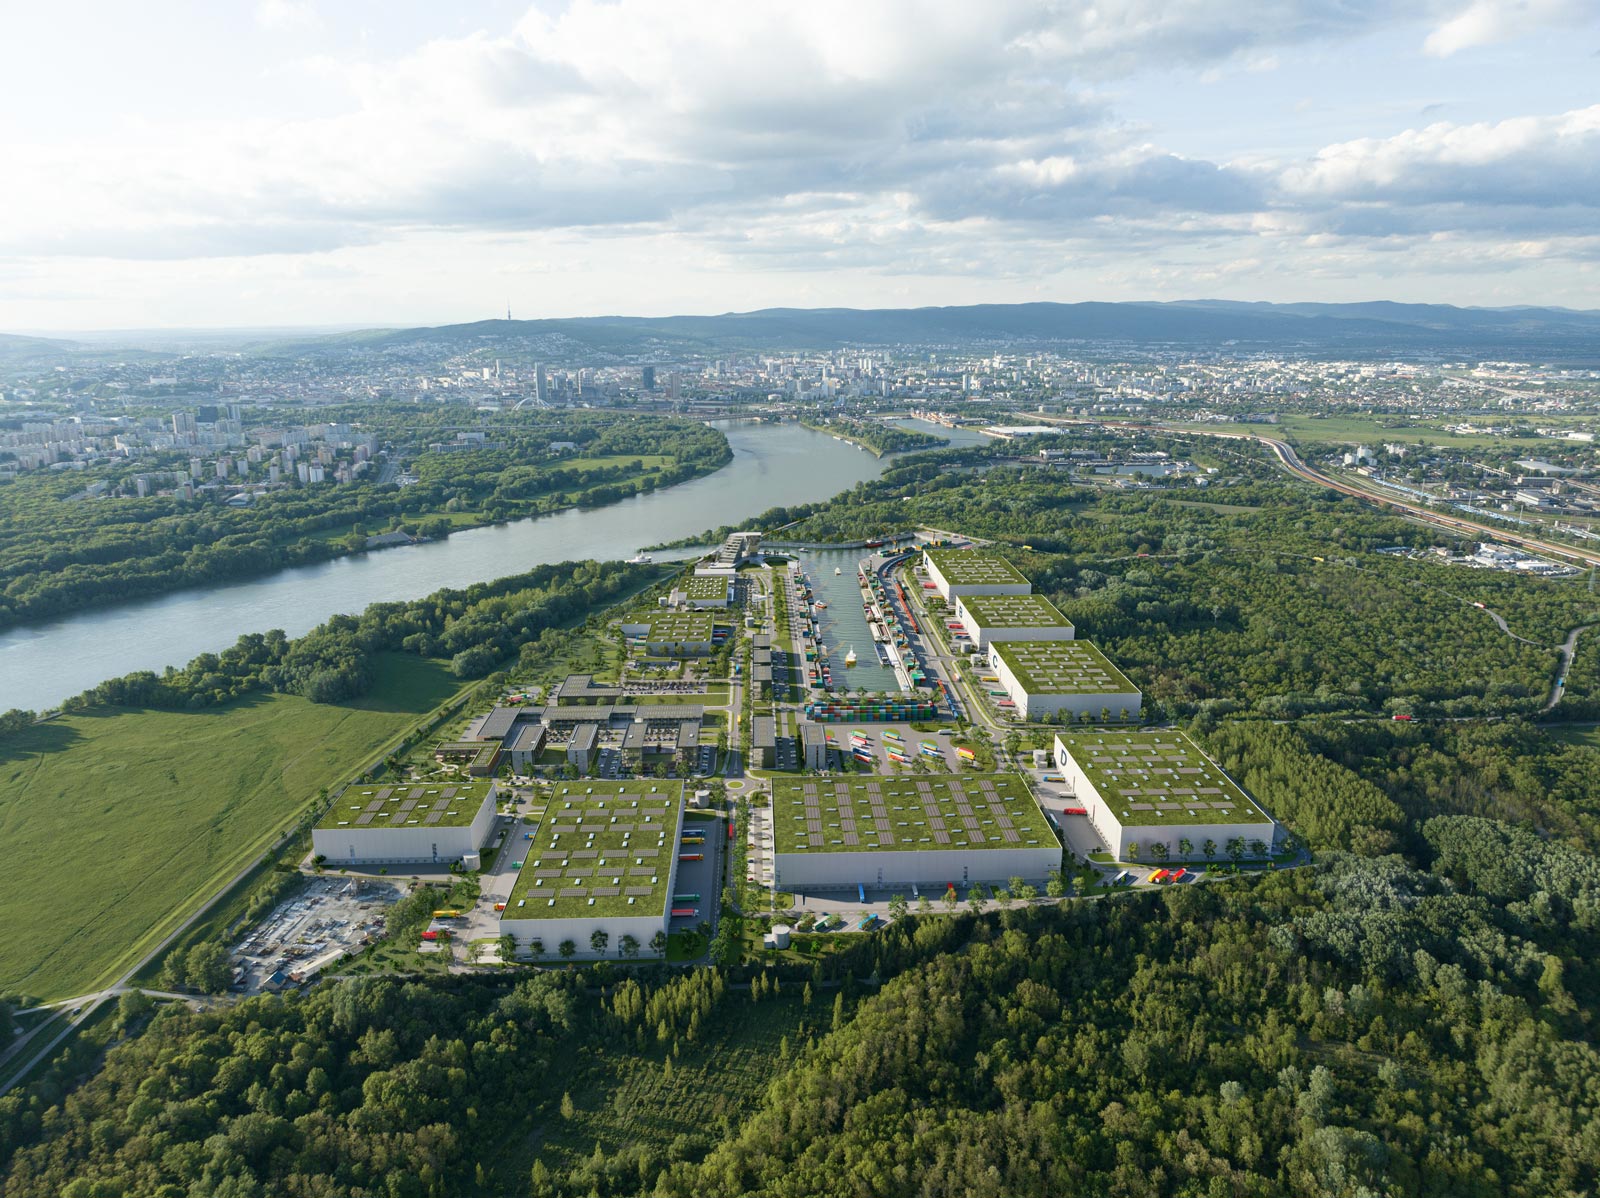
(897, 907)
(1160, 851)
(1133, 850)
(1209, 848)
(1055, 884)
(658, 944)
(1258, 848)
(1185, 847)
(598, 941)
(567, 1109)
(567, 948)
(1003, 897)
(207, 968)
(976, 899)
(1026, 892)
(923, 905)
(1236, 848)
(628, 947)
(951, 899)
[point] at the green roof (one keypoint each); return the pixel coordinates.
(681, 627)
(698, 587)
(906, 814)
(968, 567)
(602, 848)
(1014, 611)
(1062, 668)
(456, 806)
(1151, 778)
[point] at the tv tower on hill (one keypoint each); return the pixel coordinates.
(508, 309)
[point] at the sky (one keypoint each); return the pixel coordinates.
(356, 162)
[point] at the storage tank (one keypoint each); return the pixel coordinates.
(472, 861)
(780, 935)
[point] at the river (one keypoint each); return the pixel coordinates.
(772, 464)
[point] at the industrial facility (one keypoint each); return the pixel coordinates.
(1047, 677)
(1148, 793)
(956, 573)
(435, 824)
(923, 831)
(603, 860)
(988, 618)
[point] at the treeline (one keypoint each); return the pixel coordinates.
(476, 628)
(1369, 1026)
(58, 556)
(876, 435)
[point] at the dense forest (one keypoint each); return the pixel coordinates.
(59, 553)
(1372, 1026)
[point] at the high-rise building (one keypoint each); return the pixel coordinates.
(541, 387)
(647, 377)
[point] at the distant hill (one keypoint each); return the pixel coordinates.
(1366, 328)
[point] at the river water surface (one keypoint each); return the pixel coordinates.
(772, 464)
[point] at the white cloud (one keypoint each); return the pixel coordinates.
(894, 136)
(1484, 22)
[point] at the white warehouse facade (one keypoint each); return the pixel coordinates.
(1149, 792)
(431, 824)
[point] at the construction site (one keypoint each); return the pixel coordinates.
(326, 920)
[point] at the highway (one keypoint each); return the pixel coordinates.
(1290, 461)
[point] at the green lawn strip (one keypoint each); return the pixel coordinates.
(160, 808)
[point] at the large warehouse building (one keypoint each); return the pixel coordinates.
(405, 824)
(923, 830)
(675, 634)
(1147, 789)
(604, 858)
(1045, 677)
(985, 619)
(959, 572)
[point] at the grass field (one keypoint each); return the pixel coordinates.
(118, 822)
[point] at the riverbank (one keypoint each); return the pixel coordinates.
(783, 464)
(267, 549)
(879, 441)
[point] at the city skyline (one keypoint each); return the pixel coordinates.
(296, 164)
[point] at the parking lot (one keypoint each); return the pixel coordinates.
(702, 877)
(880, 743)
(326, 920)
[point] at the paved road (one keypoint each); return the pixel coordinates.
(1568, 648)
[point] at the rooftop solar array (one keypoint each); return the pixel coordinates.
(436, 806)
(906, 814)
(1014, 611)
(967, 567)
(1152, 778)
(602, 848)
(681, 626)
(703, 588)
(1062, 668)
